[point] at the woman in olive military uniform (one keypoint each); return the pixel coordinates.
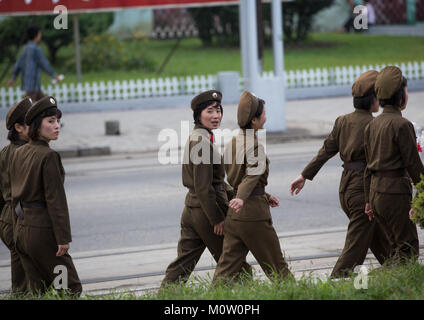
(18, 136)
(392, 162)
(248, 225)
(43, 230)
(206, 202)
(347, 139)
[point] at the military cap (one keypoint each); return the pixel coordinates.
(388, 82)
(247, 108)
(17, 111)
(38, 107)
(364, 85)
(210, 95)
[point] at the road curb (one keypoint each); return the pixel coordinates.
(84, 152)
(272, 138)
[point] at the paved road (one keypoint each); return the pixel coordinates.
(125, 201)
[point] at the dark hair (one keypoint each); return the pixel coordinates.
(36, 123)
(203, 106)
(257, 113)
(364, 102)
(398, 98)
(13, 135)
(32, 32)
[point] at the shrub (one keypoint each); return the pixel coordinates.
(418, 204)
(106, 52)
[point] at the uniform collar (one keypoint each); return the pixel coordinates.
(211, 135)
(392, 109)
(19, 142)
(363, 111)
(39, 143)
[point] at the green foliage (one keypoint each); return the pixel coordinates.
(13, 32)
(106, 52)
(12, 36)
(418, 204)
(225, 32)
(385, 283)
(297, 21)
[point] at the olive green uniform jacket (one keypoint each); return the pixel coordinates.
(37, 176)
(347, 138)
(251, 228)
(8, 217)
(390, 144)
(206, 204)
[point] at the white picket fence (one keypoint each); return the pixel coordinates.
(341, 76)
(165, 87)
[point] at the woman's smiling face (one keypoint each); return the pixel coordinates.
(211, 116)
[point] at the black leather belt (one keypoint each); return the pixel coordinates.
(258, 191)
(397, 173)
(355, 165)
(217, 187)
(33, 204)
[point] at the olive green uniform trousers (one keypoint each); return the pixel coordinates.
(19, 282)
(258, 237)
(196, 235)
(392, 211)
(361, 235)
(37, 248)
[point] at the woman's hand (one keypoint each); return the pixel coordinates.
(368, 212)
(273, 202)
(411, 213)
(218, 229)
(297, 184)
(236, 204)
(62, 249)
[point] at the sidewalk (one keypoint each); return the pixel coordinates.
(416, 30)
(140, 129)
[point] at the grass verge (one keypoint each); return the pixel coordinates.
(386, 283)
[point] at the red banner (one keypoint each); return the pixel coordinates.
(28, 7)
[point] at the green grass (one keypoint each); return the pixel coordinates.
(395, 283)
(321, 50)
(399, 283)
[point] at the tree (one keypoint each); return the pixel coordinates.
(13, 33)
(418, 204)
(297, 17)
(222, 22)
(204, 20)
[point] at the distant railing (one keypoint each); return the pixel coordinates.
(191, 85)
